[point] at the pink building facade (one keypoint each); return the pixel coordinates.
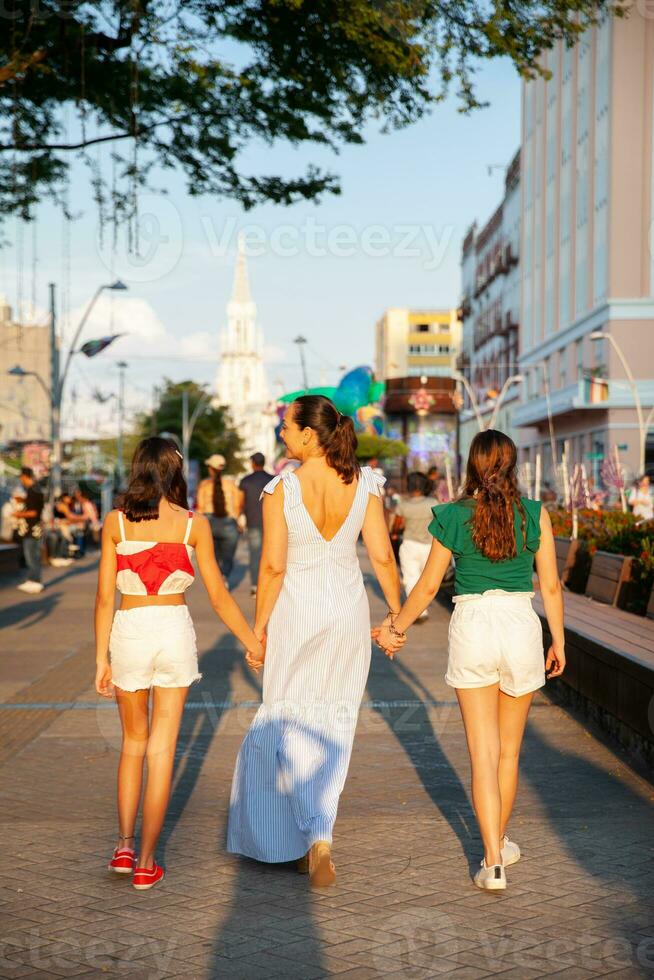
(587, 248)
(490, 309)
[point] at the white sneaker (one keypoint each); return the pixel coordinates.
(32, 587)
(61, 562)
(491, 879)
(509, 852)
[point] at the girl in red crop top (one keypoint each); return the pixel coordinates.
(148, 548)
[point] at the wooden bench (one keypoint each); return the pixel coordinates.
(650, 606)
(609, 575)
(567, 550)
(609, 672)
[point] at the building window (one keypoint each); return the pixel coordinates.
(422, 348)
(422, 328)
(579, 353)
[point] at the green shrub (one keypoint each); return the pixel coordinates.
(618, 534)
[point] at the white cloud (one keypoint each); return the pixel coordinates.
(200, 344)
(142, 329)
(273, 354)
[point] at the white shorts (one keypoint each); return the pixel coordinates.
(496, 637)
(153, 646)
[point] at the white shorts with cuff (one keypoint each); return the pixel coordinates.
(496, 637)
(153, 646)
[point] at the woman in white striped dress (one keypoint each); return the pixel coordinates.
(312, 604)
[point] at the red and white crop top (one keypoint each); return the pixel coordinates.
(153, 567)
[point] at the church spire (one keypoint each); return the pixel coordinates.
(241, 287)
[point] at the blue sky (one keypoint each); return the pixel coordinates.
(394, 239)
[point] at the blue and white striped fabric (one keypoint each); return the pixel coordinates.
(293, 762)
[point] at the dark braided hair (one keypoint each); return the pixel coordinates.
(218, 498)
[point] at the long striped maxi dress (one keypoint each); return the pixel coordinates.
(292, 764)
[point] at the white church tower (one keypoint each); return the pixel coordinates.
(241, 383)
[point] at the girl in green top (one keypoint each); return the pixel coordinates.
(495, 648)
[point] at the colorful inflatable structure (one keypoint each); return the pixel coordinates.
(357, 395)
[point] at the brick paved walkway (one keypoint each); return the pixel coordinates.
(579, 904)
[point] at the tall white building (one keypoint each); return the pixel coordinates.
(587, 214)
(241, 383)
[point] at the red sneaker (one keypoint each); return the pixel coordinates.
(145, 878)
(123, 861)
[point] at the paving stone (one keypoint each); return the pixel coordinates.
(406, 842)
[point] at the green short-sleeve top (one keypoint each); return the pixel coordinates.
(475, 573)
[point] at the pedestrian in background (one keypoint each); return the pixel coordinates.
(10, 523)
(30, 531)
(413, 516)
(218, 500)
(251, 511)
(58, 536)
(438, 485)
(640, 499)
(89, 513)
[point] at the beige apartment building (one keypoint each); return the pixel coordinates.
(586, 255)
(24, 404)
(413, 343)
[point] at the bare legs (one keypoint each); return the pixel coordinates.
(494, 725)
(513, 718)
(154, 739)
(133, 711)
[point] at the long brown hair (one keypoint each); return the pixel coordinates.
(218, 495)
(335, 432)
(156, 472)
(492, 479)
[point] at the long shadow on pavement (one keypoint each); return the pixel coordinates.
(30, 612)
(271, 929)
(412, 727)
(199, 727)
(605, 827)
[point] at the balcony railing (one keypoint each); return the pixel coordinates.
(585, 393)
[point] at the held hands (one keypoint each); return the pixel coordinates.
(387, 640)
(103, 682)
(255, 657)
(554, 662)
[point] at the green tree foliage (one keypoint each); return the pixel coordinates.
(191, 85)
(378, 447)
(212, 433)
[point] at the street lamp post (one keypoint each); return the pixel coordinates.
(459, 376)
(514, 379)
(188, 424)
(602, 335)
(548, 401)
(56, 388)
(301, 341)
(122, 365)
(58, 381)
